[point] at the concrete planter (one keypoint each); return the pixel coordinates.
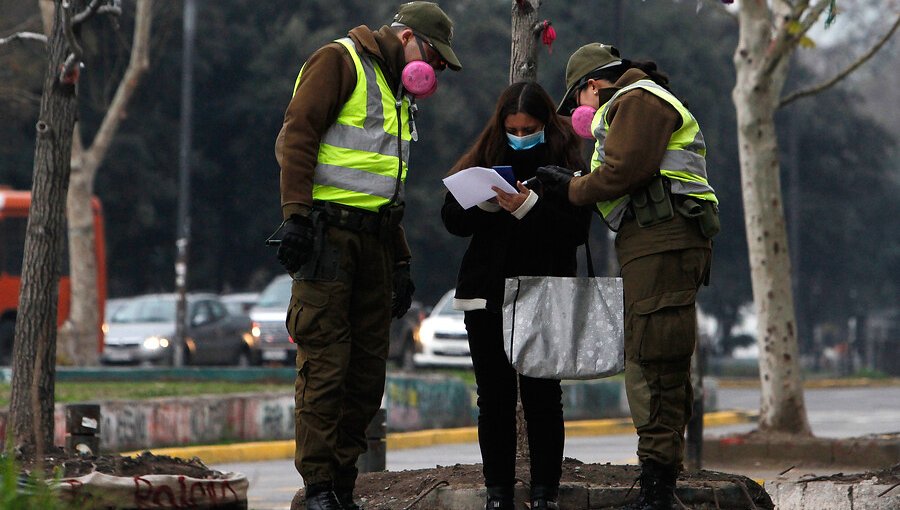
(98, 491)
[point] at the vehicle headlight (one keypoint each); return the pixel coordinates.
(255, 330)
(425, 335)
(152, 343)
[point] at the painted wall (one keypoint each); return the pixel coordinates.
(412, 403)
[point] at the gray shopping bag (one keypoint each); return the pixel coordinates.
(564, 328)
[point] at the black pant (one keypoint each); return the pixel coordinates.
(541, 400)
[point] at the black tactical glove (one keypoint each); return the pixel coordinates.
(297, 243)
(403, 288)
(555, 180)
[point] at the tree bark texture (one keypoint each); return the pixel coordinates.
(523, 67)
(523, 56)
(34, 351)
(80, 334)
(761, 60)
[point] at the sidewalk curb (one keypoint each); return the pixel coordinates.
(275, 450)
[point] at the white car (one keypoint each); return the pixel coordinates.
(442, 338)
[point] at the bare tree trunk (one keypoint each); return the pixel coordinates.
(523, 67)
(48, 8)
(34, 352)
(523, 61)
(80, 334)
(761, 71)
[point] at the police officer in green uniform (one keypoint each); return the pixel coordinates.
(649, 184)
(343, 151)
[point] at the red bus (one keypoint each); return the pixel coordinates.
(14, 206)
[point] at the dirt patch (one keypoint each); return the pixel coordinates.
(73, 465)
(394, 490)
(862, 455)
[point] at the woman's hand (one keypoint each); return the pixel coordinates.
(511, 201)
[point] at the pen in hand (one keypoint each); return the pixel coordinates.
(528, 183)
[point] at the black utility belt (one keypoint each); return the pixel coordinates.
(359, 220)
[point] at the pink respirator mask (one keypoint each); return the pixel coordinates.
(582, 118)
(419, 79)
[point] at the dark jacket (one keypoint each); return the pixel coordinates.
(542, 243)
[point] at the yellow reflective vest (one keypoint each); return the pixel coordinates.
(359, 156)
(684, 162)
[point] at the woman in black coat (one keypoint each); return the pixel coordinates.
(516, 234)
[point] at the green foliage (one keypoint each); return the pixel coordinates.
(867, 373)
(67, 392)
(31, 492)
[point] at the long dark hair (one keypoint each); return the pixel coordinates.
(523, 97)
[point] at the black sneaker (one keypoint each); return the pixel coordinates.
(543, 497)
(544, 504)
(499, 498)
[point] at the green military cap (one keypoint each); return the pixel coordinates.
(587, 59)
(427, 19)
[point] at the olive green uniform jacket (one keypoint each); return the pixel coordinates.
(662, 267)
(329, 78)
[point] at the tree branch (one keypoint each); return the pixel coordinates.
(91, 9)
(74, 58)
(114, 7)
(24, 36)
(812, 16)
(815, 89)
(138, 63)
(793, 29)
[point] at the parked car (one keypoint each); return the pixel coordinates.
(442, 339)
(271, 341)
(112, 305)
(142, 331)
(240, 303)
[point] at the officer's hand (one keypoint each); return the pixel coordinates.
(555, 180)
(297, 243)
(403, 288)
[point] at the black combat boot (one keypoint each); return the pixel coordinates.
(321, 497)
(499, 498)
(543, 497)
(657, 487)
(346, 500)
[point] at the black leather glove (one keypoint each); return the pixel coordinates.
(403, 289)
(297, 243)
(555, 180)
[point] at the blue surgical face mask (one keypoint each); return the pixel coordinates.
(521, 143)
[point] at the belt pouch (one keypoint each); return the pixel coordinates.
(709, 220)
(653, 203)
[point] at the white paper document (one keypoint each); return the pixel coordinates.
(473, 185)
